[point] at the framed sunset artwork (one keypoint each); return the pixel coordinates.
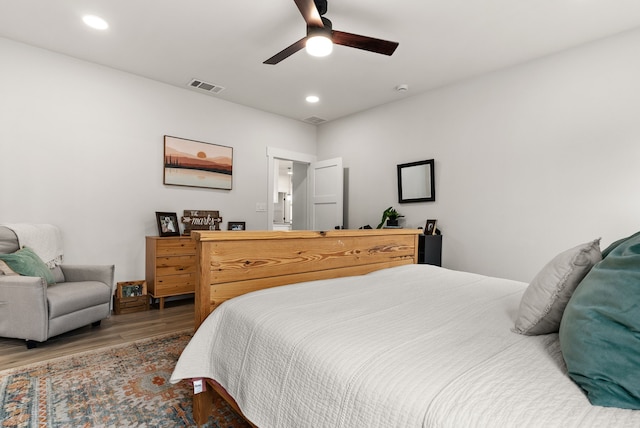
(197, 164)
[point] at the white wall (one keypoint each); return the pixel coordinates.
(530, 160)
(81, 146)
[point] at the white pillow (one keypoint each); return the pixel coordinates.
(545, 298)
(5, 269)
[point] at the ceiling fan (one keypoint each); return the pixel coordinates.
(319, 29)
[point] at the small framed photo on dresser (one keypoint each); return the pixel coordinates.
(167, 224)
(236, 225)
(430, 227)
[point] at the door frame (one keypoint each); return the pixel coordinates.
(274, 153)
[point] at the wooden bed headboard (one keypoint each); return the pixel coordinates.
(231, 263)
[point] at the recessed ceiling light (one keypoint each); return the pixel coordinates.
(312, 99)
(95, 22)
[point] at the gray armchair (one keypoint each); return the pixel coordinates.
(32, 310)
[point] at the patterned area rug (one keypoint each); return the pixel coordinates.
(123, 386)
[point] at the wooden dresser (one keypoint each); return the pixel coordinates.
(170, 266)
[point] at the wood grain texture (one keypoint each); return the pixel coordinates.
(236, 260)
(227, 290)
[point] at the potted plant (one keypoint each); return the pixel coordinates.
(391, 216)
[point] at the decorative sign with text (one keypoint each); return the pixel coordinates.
(200, 220)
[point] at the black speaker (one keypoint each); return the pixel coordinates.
(430, 249)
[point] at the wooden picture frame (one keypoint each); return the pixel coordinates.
(197, 164)
(167, 224)
(430, 227)
(131, 289)
(236, 225)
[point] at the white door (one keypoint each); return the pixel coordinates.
(325, 194)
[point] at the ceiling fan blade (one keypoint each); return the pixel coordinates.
(286, 52)
(309, 12)
(370, 44)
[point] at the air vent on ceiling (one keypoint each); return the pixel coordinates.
(315, 120)
(206, 86)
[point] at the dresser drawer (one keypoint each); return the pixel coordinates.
(174, 284)
(175, 265)
(170, 266)
(178, 246)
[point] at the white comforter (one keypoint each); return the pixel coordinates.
(412, 346)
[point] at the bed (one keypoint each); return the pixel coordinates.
(362, 336)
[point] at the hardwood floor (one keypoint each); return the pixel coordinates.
(177, 316)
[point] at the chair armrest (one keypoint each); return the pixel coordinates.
(76, 273)
(24, 313)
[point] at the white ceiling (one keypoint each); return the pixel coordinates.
(225, 43)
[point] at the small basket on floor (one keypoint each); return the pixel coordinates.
(130, 296)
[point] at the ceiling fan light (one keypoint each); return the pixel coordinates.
(319, 46)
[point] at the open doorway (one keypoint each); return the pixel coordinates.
(287, 193)
(290, 195)
(283, 198)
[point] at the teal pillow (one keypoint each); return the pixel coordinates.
(600, 329)
(612, 246)
(27, 263)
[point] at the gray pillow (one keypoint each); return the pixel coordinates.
(8, 241)
(57, 274)
(546, 297)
